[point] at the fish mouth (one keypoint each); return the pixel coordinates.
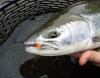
(41, 46)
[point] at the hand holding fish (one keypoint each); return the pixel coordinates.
(89, 55)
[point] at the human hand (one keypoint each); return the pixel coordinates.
(90, 55)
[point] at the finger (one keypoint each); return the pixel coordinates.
(90, 55)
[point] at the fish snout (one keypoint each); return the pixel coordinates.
(43, 45)
(33, 44)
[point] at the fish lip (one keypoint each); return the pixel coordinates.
(33, 44)
(29, 43)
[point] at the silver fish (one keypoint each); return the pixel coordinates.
(75, 29)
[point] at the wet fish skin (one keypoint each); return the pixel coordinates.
(75, 29)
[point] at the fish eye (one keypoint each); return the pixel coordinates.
(53, 34)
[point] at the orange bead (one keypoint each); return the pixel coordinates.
(38, 45)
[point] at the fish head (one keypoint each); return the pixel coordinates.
(62, 40)
(48, 42)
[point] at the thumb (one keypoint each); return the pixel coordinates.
(91, 56)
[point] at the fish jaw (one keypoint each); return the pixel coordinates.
(86, 44)
(78, 47)
(43, 45)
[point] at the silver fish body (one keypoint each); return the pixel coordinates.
(75, 29)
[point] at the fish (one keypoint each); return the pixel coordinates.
(74, 29)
